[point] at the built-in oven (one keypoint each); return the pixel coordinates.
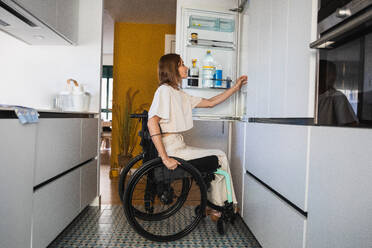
(344, 68)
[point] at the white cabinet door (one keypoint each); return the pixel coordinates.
(340, 188)
(280, 64)
(89, 141)
(300, 83)
(277, 155)
(17, 153)
(57, 147)
(89, 182)
(279, 57)
(55, 205)
(273, 222)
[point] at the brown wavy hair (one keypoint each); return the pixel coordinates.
(168, 70)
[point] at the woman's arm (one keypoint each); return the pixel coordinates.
(211, 102)
(155, 133)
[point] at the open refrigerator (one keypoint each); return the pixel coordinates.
(213, 31)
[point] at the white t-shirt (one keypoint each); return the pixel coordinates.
(174, 107)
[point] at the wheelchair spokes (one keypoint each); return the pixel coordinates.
(158, 198)
(174, 198)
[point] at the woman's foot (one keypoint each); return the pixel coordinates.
(214, 214)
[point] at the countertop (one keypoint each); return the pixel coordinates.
(8, 113)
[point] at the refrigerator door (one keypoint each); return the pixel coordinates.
(203, 31)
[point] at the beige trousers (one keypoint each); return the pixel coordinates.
(176, 147)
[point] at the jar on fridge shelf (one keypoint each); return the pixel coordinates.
(194, 38)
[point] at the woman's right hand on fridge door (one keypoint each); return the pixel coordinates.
(242, 80)
(213, 101)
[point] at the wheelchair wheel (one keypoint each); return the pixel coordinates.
(124, 173)
(148, 214)
(174, 195)
(220, 226)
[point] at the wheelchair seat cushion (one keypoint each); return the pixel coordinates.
(205, 165)
(208, 164)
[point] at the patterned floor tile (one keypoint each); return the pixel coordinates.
(107, 227)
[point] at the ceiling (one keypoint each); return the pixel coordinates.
(142, 11)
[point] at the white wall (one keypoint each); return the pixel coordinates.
(33, 75)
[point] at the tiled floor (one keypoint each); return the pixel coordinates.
(108, 227)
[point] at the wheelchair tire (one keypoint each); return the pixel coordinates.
(220, 226)
(124, 173)
(153, 228)
(141, 214)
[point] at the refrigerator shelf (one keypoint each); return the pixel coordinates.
(205, 88)
(212, 42)
(211, 23)
(227, 48)
(214, 79)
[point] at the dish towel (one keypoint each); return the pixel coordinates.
(25, 115)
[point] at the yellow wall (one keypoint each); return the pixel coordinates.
(137, 49)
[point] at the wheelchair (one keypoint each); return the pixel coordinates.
(165, 205)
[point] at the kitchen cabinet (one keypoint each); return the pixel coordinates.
(47, 177)
(52, 22)
(17, 153)
(280, 64)
(273, 222)
(340, 202)
(58, 144)
(65, 143)
(66, 174)
(277, 155)
(89, 182)
(89, 139)
(55, 205)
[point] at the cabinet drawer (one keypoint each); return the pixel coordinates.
(57, 147)
(89, 140)
(55, 205)
(273, 222)
(277, 155)
(88, 183)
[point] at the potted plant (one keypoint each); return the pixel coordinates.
(127, 129)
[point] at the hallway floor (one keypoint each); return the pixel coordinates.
(108, 227)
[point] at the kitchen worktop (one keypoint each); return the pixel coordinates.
(8, 113)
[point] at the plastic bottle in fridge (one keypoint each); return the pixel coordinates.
(208, 70)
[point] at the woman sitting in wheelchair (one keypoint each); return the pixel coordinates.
(171, 114)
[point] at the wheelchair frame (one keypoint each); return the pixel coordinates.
(150, 158)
